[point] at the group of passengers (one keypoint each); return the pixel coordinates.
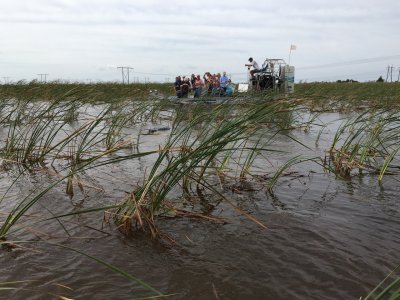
(213, 84)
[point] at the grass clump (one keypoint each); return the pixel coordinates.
(368, 142)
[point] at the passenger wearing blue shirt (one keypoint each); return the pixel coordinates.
(229, 89)
(223, 82)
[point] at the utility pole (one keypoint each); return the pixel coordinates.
(292, 47)
(125, 74)
(387, 74)
(398, 76)
(391, 74)
(41, 77)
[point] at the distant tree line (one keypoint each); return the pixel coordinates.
(347, 80)
(380, 79)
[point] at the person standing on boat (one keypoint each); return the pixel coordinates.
(254, 67)
(198, 84)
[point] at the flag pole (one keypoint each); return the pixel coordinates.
(292, 47)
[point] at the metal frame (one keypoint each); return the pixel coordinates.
(273, 70)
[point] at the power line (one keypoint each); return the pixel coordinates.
(336, 76)
(156, 74)
(351, 62)
(345, 63)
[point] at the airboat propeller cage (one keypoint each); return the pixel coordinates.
(275, 74)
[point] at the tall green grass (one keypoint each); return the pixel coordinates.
(368, 142)
(106, 92)
(329, 96)
(197, 150)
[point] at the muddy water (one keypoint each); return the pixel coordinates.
(326, 238)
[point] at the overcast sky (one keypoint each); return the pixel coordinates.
(88, 39)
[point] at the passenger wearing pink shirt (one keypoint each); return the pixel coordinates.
(198, 84)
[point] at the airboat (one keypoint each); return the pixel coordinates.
(275, 76)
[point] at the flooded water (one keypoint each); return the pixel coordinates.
(326, 238)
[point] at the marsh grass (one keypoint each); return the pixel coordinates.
(347, 96)
(42, 133)
(25, 204)
(27, 141)
(325, 96)
(115, 125)
(199, 148)
(45, 137)
(368, 142)
(106, 92)
(31, 141)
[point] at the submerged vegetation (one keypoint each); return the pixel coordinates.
(186, 159)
